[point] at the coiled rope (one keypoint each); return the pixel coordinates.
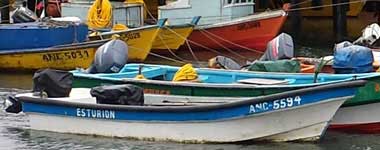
(100, 14)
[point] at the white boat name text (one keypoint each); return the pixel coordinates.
(276, 104)
(95, 113)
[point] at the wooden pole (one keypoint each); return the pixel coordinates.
(340, 20)
(4, 5)
(296, 19)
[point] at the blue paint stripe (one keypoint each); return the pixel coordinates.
(216, 114)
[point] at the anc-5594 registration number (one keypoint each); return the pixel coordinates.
(275, 105)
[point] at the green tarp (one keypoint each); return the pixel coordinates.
(290, 66)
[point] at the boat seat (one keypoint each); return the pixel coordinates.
(202, 78)
(261, 81)
(148, 73)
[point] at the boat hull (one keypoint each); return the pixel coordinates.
(252, 32)
(358, 119)
(40, 35)
(278, 126)
(288, 116)
(171, 38)
(64, 58)
(139, 41)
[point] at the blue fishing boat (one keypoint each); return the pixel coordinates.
(301, 114)
(41, 34)
(206, 78)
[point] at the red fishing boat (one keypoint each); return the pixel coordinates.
(232, 25)
(250, 32)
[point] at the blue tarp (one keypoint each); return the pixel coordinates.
(353, 59)
(40, 35)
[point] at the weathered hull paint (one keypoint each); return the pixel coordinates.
(66, 58)
(358, 119)
(289, 116)
(171, 38)
(40, 34)
(139, 41)
(277, 126)
(253, 32)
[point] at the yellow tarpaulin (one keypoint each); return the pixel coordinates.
(186, 73)
(100, 14)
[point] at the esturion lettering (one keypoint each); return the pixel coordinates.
(96, 113)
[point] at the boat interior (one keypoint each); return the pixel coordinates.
(219, 76)
(82, 95)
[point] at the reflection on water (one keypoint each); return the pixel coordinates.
(16, 80)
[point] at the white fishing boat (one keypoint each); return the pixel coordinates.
(294, 115)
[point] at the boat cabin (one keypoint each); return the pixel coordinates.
(128, 13)
(212, 11)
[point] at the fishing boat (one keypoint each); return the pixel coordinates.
(64, 57)
(171, 37)
(78, 55)
(213, 82)
(293, 115)
(41, 34)
(223, 19)
(222, 83)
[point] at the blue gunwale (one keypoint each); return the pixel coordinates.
(192, 113)
(212, 78)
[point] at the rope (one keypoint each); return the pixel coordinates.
(220, 44)
(187, 42)
(329, 5)
(192, 53)
(157, 55)
(167, 58)
(307, 1)
(180, 36)
(58, 6)
(100, 14)
(170, 51)
(162, 40)
(243, 47)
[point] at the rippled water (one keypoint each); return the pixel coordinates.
(16, 135)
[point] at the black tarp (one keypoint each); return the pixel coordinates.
(125, 94)
(55, 83)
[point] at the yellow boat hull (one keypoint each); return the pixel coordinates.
(171, 38)
(139, 41)
(64, 58)
(355, 9)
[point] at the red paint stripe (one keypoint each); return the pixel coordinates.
(369, 128)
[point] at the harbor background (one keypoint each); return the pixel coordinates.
(15, 134)
(315, 41)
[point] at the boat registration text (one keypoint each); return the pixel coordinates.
(96, 113)
(60, 56)
(275, 105)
